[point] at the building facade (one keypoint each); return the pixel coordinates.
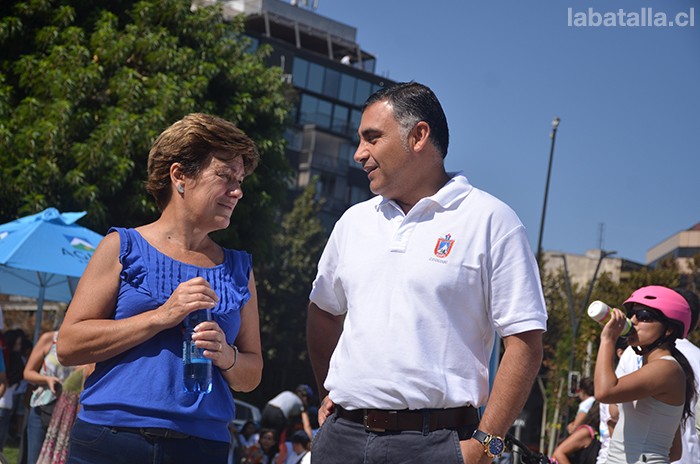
(680, 247)
(332, 76)
(581, 268)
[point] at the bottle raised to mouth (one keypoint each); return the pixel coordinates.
(601, 313)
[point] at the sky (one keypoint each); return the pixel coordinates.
(627, 152)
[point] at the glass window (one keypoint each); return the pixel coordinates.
(313, 110)
(355, 117)
(347, 88)
(294, 139)
(300, 69)
(253, 45)
(315, 78)
(346, 152)
(307, 109)
(320, 187)
(324, 112)
(362, 91)
(368, 65)
(331, 83)
(340, 119)
(327, 185)
(686, 252)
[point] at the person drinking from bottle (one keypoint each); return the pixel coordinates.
(630, 362)
(657, 397)
(127, 313)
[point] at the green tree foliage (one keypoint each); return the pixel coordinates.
(284, 284)
(86, 86)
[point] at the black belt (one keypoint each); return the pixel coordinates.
(150, 432)
(420, 420)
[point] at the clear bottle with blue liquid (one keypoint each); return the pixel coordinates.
(197, 368)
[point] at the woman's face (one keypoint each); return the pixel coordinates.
(248, 429)
(647, 323)
(212, 196)
(267, 440)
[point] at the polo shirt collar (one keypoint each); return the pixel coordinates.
(454, 190)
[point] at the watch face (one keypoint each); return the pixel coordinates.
(496, 446)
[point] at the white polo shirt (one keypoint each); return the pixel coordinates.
(422, 294)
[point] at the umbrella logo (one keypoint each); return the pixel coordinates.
(80, 249)
(80, 244)
(3, 234)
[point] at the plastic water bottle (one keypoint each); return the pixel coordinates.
(197, 368)
(601, 313)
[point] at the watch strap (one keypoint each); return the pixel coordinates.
(481, 437)
(486, 440)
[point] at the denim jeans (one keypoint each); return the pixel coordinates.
(5, 416)
(340, 441)
(90, 444)
(35, 435)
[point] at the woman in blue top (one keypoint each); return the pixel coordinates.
(141, 283)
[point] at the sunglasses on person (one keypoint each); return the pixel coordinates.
(644, 315)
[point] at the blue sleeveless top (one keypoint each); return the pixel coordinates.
(143, 386)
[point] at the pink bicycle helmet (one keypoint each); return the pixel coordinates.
(663, 299)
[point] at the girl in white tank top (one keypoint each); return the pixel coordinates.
(657, 397)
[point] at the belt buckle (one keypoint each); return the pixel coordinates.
(365, 422)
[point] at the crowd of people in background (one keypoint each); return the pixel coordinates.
(38, 397)
(288, 424)
(16, 348)
(36, 391)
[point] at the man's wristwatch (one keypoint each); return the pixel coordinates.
(493, 445)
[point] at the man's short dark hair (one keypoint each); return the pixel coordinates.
(413, 102)
(304, 390)
(301, 438)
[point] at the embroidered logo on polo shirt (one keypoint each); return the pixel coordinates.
(444, 246)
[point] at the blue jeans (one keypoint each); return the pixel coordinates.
(340, 441)
(90, 444)
(5, 416)
(35, 435)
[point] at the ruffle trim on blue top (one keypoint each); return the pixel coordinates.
(152, 273)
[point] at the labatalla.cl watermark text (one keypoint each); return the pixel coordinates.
(645, 17)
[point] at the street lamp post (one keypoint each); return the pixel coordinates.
(555, 124)
(576, 318)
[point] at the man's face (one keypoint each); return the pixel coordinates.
(382, 151)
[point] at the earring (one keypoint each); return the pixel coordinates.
(181, 188)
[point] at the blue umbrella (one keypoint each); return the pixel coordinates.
(43, 256)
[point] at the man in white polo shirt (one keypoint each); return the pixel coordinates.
(410, 290)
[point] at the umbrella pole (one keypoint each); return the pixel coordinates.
(39, 307)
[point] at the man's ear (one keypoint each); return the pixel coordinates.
(419, 136)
